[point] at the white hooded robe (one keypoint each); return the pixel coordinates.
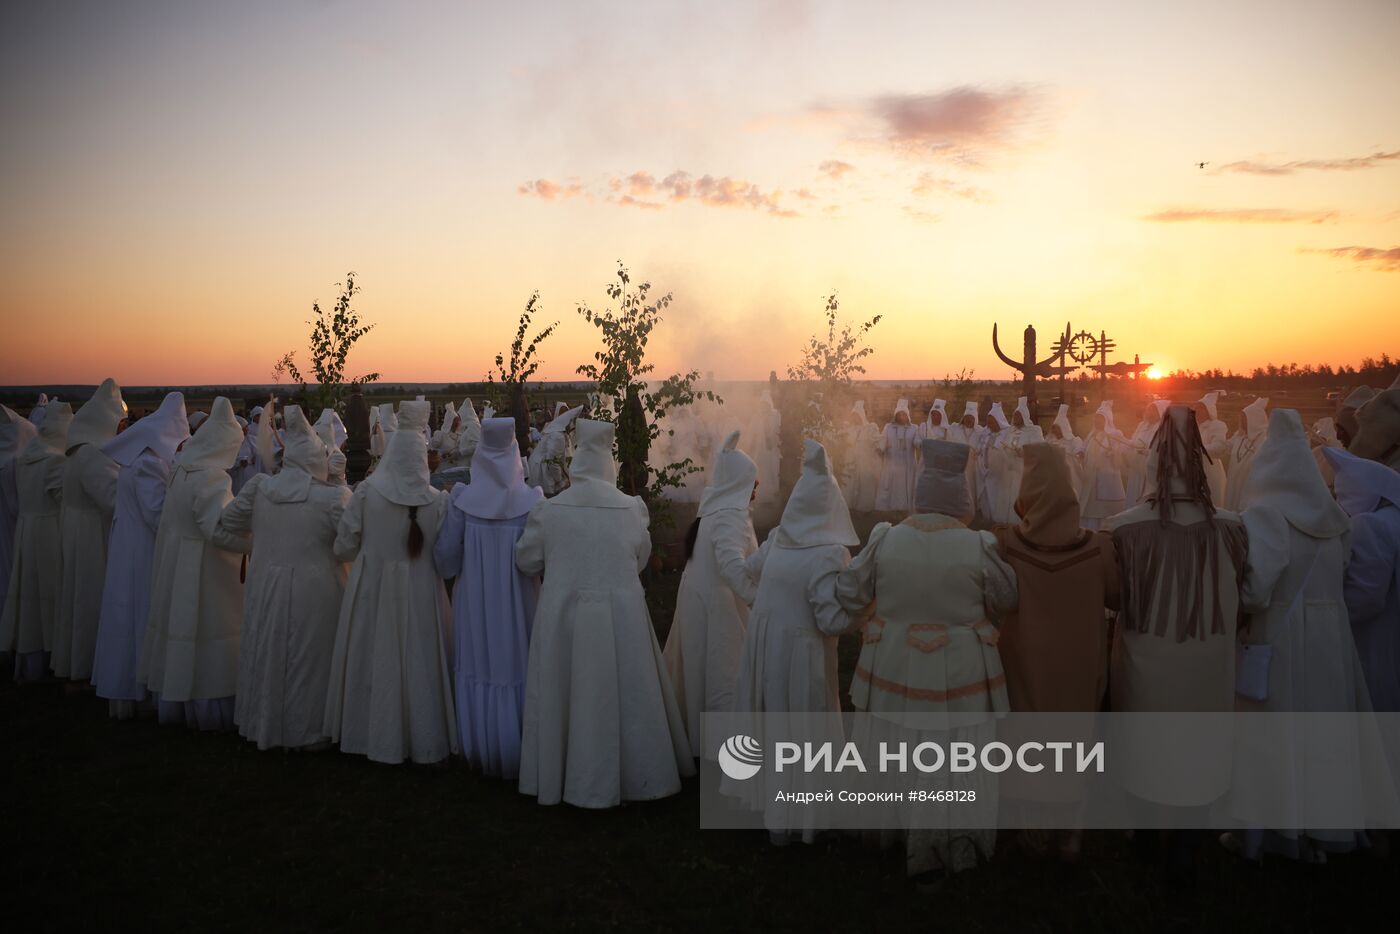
(602, 725)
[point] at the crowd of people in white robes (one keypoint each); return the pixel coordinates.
(225, 585)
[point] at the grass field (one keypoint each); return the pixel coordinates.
(130, 825)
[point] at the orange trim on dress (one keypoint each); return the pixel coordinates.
(930, 694)
(932, 643)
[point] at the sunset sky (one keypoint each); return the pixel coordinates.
(181, 180)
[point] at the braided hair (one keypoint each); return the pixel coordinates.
(1170, 446)
(415, 533)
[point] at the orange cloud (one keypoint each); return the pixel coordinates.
(549, 190)
(1320, 165)
(927, 183)
(835, 168)
(642, 190)
(1241, 216)
(1379, 259)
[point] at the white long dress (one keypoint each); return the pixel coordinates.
(390, 692)
(1103, 493)
(32, 602)
(860, 479)
(126, 590)
(1295, 594)
(190, 655)
(712, 608)
(290, 606)
(89, 498)
(192, 635)
(1216, 438)
(602, 725)
(15, 435)
(493, 602)
(898, 469)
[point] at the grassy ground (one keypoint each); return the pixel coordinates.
(133, 825)
(138, 826)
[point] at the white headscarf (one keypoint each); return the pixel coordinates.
(732, 484)
(497, 489)
(1326, 429)
(593, 472)
(1106, 410)
(338, 433)
(449, 415)
(468, 414)
(901, 406)
(388, 421)
(859, 409)
(1062, 420)
(1209, 400)
(162, 432)
(215, 445)
(402, 473)
(999, 415)
(36, 414)
(1256, 421)
(1023, 407)
(335, 457)
(52, 436)
(816, 512)
(1285, 477)
(15, 434)
(196, 418)
(1362, 485)
(303, 449)
(562, 420)
(971, 409)
(96, 422)
(941, 408)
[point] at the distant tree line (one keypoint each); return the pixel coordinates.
(1373, 371)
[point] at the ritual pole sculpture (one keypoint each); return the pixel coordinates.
(1029, 368)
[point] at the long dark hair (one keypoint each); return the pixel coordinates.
(690, 535)
(415, 533)
(1167, 441)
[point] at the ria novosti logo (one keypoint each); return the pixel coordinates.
(740, 757)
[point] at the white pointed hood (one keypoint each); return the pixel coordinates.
(215, 445)
(816, 512)
(733, 480)
(1362, 485)
(196, 418)
(449, 415)
(901, 406)
(1256, 419)
(1285, 477)
(15, 434)
(401, 476)
(338, 433)
(1106, 410)
(1062, 420)
(859, 409)
(941, 408)
(999, 415)
(562, 420)
(96, 422)
(38, 411)
(1209, 400)
(52, 436)
(497, 489)
(971, 409)
(388, 421)
(592, 471)
(162, 432)
(303, 449)
(1326, 429)
(1023, 407)
(468, 414)
(335, 457)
